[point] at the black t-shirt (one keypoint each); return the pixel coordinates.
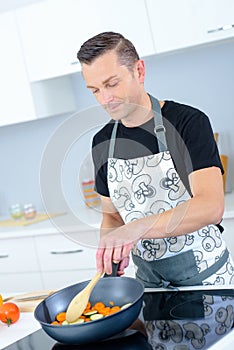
(189, 139)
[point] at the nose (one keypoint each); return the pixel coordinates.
(105, 97)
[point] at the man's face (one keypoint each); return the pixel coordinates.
(115, 87)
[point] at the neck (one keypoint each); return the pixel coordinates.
(141, 114)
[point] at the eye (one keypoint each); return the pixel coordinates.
(112, 83)
(94, 91)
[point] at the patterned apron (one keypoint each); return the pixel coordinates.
(194, 320)
(150, 185)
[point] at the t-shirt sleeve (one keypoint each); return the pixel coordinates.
(199, 139)
(99, 155)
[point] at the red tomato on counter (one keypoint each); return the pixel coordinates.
(9, 313)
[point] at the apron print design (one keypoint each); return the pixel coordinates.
(151, 185)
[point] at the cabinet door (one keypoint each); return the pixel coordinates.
(90, 17)
(36, 24)
(173, 23)
(53, 31)
(60, 279)
(18, 255)
(20, 282)
(182, 23)
(216, 19)
(16, 99)
(58, 253)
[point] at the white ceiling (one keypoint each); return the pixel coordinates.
(8, 5)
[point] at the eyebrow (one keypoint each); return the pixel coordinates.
(104, 82)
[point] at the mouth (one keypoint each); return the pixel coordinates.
(112, 107)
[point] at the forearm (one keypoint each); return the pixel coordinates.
(110, 223)
(187, 217)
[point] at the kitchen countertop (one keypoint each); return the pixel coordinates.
(26, 325)
(85, 219)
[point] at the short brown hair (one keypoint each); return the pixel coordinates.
(104, 42)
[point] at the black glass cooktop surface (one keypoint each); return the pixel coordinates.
(178, 320)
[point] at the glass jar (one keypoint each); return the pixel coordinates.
(91, 197)
(29, 211)
(16, 211)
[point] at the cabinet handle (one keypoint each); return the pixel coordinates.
(2, 256)
(74, 62)
(219, 29)
(66, 251)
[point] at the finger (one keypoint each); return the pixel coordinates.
(99, 259)
(120, 273)
(126, 250)
(117, 255)
(107, 260)
(124, 263)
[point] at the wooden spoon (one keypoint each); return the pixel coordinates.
(79, 302)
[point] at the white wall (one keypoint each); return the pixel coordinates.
(202, 77)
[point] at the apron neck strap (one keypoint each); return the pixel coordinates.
(112, 140)
(159, 129)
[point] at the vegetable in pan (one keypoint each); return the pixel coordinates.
(91, 313)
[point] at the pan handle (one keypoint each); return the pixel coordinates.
(115, 268)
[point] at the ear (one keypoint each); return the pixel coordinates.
(140, 71)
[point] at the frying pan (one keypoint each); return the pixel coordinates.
(135, 341)
(120, 290)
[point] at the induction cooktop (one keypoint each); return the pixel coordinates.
(178, 320)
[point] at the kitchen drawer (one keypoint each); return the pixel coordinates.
(20, 282)
(18, 255)
(60, 279)
(58, 253)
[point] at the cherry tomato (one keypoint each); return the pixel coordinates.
(9, 313)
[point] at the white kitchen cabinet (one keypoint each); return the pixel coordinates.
(18, 255)
(20, 282)
(60, 279)
(184, 23)
(53, 30)
(48, 261)
(16, 99)
(63, 262)
(56, 252)
(19, 267)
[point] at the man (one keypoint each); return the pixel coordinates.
(158, 173)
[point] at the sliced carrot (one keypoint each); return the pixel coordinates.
(56, 323)
(99, 305)
(114, 309)
(61, 317)
(104, 311)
